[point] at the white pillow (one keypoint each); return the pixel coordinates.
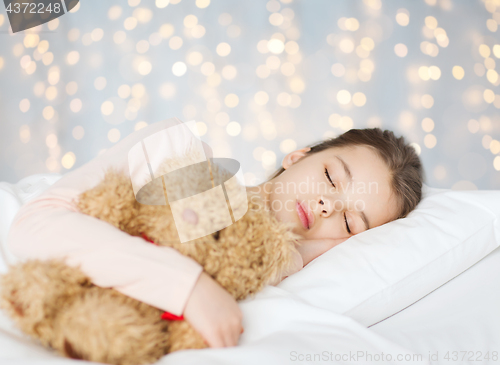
(379, 272)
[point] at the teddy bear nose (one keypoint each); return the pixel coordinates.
(190, 216)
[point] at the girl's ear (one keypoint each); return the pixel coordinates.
(294, 156)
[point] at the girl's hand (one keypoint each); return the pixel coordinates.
(309, 249)
(214, 313)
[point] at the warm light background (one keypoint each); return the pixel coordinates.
(261, 78)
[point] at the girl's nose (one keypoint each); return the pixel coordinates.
(324, 207)
(327, 205)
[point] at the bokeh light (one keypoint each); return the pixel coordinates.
(68, 160)
(458, 72)
(403, 17)
(344, 97)
(400, 50)
(258, 78)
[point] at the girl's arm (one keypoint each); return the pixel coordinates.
(50, 226)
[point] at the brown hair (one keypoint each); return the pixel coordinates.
(407, 174)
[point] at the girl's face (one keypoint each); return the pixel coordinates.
(335, 193)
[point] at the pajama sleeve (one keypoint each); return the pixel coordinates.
(50, 226)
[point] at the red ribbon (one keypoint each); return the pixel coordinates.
(171, 317)
(148, 239)
(166, 315)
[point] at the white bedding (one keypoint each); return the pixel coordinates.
(461, 318)
(278, 330)
(281, 328)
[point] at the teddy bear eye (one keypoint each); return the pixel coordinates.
(216, 235)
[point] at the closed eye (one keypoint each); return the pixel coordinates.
(346, 224)
(345, 217)
(328, 177)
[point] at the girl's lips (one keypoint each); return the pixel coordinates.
(309, 213)
(304, 214)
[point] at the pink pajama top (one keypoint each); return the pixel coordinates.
(50, 226)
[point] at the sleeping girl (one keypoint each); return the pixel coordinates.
(343, 186)
(330, 191)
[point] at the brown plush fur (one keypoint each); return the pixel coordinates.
(59, 305)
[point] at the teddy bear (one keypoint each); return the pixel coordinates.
(59, 305)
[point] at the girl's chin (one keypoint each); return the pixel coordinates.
(297, 227)
(299, 230)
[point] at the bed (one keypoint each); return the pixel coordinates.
(455, 324)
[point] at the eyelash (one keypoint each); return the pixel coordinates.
(345, 217)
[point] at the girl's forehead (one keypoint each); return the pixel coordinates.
(349, 151)
(360, 162)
